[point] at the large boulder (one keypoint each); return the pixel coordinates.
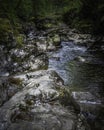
(38, 107)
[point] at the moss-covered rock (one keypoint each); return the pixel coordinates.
(56, 39)
(20, 40)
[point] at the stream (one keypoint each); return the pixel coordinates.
(78, 67)
(82, 70)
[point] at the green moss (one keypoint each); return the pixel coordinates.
(45, 67)
(20, 40)
(64, 96)
(16, 81)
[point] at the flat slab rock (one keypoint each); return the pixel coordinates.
(36, 106)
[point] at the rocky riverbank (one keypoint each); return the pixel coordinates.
(31, 96)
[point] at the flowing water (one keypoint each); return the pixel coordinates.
(81, 69)
(78, 67)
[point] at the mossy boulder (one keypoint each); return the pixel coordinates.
(56, 40)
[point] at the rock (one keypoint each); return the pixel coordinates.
(47, 43)
(81, 39)
(90, 106)
(26, 59)
(41, 43)
(86, 98)
(37, 106)
(56, 40)
(86, 101)
(51, 47)
(40, 62)
(8, 87)
(79, 58)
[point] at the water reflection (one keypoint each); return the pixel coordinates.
(85, 75)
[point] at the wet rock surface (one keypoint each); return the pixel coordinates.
(37, 106)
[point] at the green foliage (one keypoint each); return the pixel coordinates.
(5, 25)
(5, 30)
(14, 9)
(50, 8)
(25, 9)
(86, 15)
(42, 7)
